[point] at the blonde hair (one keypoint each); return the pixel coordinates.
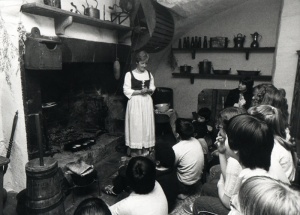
(267, 196)
(274, 118)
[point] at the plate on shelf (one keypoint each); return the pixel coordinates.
(248, 72)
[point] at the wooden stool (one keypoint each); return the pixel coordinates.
(3, 161)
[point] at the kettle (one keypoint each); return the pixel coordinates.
(256, 37)
(239, 40)
(91, 11)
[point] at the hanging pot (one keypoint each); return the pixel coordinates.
(205, 67)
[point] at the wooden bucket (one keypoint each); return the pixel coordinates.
(44, 195)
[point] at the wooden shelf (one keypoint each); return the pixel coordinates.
(63, 18)
(228, 50)
(192, 76)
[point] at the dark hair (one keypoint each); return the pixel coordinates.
(184, 128)
(141, 56)
(268, 94)
(205, 112)
(226, 114)
(248, 81)
(92, 206)
(165, 154)
(253, 140)
(140, 174)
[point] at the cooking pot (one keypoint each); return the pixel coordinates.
(92, 12)
(185, 69)
(239, 40)
(205, 67)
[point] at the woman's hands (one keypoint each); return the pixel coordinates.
(220, 143)
(146, 91)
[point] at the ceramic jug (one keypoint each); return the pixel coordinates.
(256, 37)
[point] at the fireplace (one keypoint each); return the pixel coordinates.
(71, 84)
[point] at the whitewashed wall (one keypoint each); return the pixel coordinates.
(10, 80)
(246, 18)
(288, 44)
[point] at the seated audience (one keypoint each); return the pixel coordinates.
(166, 173)
(264, 195)
(252, 141)
(284, 150)
(189, 158)
(268, 94)
(216, 194)
(147, 196)
(241, 96)
(92, 206)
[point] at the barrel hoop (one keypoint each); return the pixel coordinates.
(41, 175)
(46, 209)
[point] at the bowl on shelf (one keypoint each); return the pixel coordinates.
(248, 72)
(162, 107)
(221, 71)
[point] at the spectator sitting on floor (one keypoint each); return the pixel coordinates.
(147, 196)
(284, 150)
(165, 172)
(189, 159)
(92, 206)
(264, 195)
(216, 194)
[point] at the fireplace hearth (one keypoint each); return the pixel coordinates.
(81, 99)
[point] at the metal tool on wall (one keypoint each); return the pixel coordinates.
(11, 139)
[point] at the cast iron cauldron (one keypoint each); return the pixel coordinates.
(185, 69)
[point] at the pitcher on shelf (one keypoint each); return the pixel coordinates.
(256, 37)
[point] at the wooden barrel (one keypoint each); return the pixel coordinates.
(159, 24)
(44, 193)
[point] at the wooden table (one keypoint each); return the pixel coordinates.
(3, 161)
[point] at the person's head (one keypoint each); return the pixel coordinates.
(142, 58)
(204, 114)
(252, 140)
(246, 84)
(264, 195)
(223, 118)
(164, 155)
(184, 128)
(92, 206)
(140, 174)
(268, 94)
(272, 116)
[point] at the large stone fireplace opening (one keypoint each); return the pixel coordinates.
(83, 100)
(72, 86)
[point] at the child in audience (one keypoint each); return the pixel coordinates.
(268, 94)
(252, 141)
(147, 197)
(166, 172)
(264, 195)
(92, 206)
(283, 151)
(189, 158)
(216, 194)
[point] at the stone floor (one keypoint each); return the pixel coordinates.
(106, 167)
